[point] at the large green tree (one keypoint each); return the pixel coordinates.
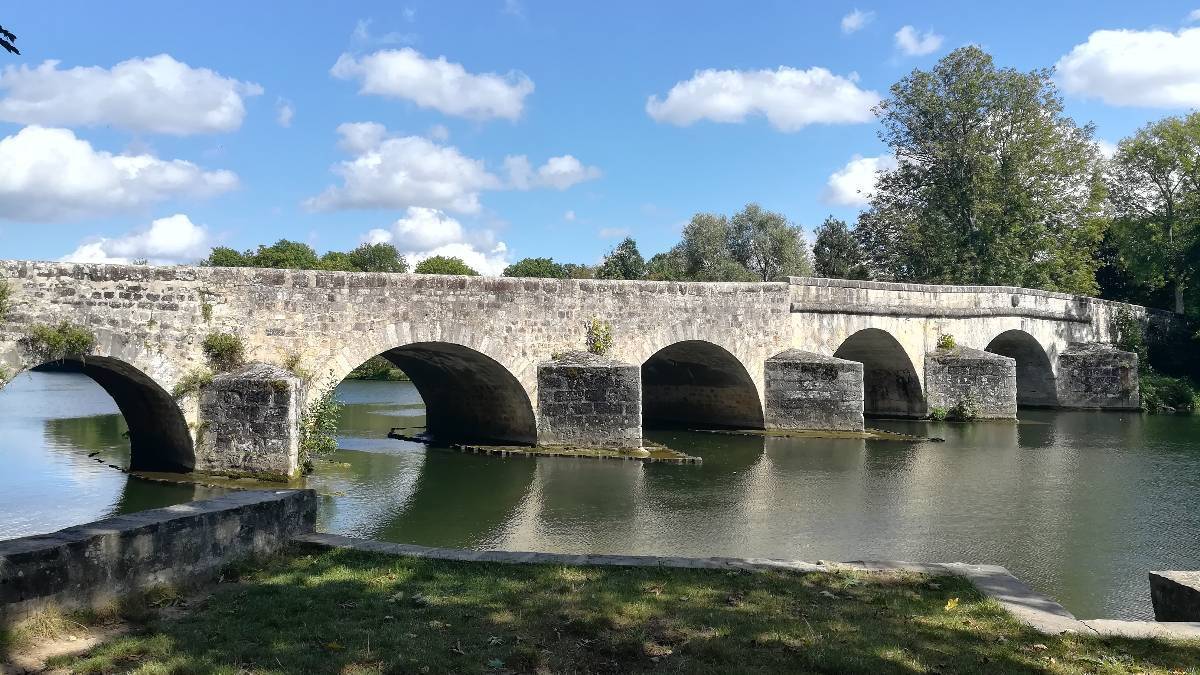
(1154, 190)
(536, 267)
(703, 254)
(767, 245)
(993, 184)
(623, 262)
(836, 252)
(377, 258)
(441, 264)
(285, 254)
(223, 256)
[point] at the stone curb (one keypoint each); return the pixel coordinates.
(1031, 608)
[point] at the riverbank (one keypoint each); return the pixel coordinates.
(352, 611)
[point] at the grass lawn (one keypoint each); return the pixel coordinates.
(353, 612)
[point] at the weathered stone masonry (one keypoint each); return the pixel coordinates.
(473, 347)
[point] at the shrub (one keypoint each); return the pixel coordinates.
(965, 410)
(599, 337)
(192, 382)
(1131, 335)
(5, 298)
(57, 343)
(318, 429)
(946, 341)
(224, 350)
(1163, 393)
(938, 414)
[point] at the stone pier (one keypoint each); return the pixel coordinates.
(811, 391)
(250, 423)
(959, 374)
(589, 400)
(1098, 376)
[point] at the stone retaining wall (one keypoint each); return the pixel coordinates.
(95, 564)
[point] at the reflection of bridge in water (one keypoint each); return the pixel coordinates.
(809, 353)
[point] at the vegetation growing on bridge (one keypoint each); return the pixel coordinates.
(67, 340)
(5, 299)
(599, 336)
(946, 341)
(352, 612)
(225, 351)
(192, 382)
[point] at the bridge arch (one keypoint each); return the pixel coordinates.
(891, 385)
(1036, 383)
(159, 437)
(468, 395)
(698, 382)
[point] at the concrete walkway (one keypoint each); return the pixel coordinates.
(1035, 610)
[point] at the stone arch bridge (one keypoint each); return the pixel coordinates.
(497, 359)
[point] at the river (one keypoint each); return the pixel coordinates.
(1079, 504)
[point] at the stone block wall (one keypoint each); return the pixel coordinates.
(589, 400)
(94, 564)
(250, 423)
(954, 375)
(811, 391)
(1098, 376)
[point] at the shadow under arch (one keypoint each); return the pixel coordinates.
(468, 395)
(698, 383)
(159, 439)
(1036, 384)
(891, 387)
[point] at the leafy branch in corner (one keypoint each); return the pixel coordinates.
(7, 39)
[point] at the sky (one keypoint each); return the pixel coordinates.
(501, 129)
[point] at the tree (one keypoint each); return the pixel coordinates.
(666, 266)
(993, 184)
(703, 253)
(223, 256)
(440, 264)
(377, 258)
(578, 271)
(836, 253)
(285, 254)
(337, 261)
(544, 268)
(764, 243)
(623, 262)
(1154, 190)
(7, 39)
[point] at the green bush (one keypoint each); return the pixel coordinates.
(599, 337)
(192, 382)
(318, 429)
(1131, 336)
(224, 350)
(946, 341)
(1163, 393)
(965, 410)
(5, 298)
(938, 414)
(57, 343)
(377, 368)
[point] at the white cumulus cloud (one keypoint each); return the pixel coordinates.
(1152, 68)
(423, 233)
(156, 94)
(854, 183)
(284, 112)
(397, 172)
(166, 241)
(856, 20)
(559, 173)
(436, 83)
(1193, 16)
(401, 171)
(49, 175)
(789, 98)
(914, 43)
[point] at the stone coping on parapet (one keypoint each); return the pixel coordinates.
(1031, 608)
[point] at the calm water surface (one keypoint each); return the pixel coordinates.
(1081, 505)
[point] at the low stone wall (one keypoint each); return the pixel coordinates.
(959, 374)
(811, 391)
(94, 564)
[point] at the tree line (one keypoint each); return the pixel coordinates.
(286, 254)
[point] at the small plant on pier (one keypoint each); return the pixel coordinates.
(938, 414)
(599, 337)
(965, 410)
(5, 298)
(291, 361)
(224, 350)
(946, 341)
(318, 429)
(58, 343)
(192, 382)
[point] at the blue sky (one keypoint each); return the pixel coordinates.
(162, 157)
